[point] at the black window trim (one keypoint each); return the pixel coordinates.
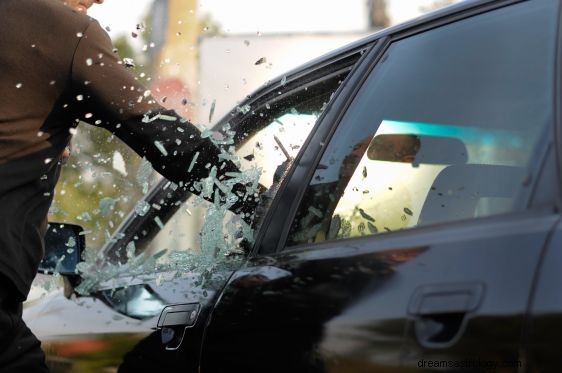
(265, 243)
(277, 226)
(558, 110)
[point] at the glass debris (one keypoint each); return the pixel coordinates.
(85, 216)
(221, 232)
(243, 109)
(142, 207)
(158, 222)
(260, 61)
(193, 161)
(161, 148)
(118, 163)
(143, 174)
(212, 110)
(107, 204)
(169, 118)
(129, 62)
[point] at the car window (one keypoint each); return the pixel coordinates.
(448, 126)
(267, 138)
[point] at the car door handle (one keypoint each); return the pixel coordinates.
(440, 311)
(174, 321)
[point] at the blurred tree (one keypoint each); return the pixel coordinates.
(378, 17)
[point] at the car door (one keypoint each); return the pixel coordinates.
(406, 236)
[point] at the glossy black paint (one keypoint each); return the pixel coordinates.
(344, 307)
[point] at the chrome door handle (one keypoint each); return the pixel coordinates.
(174, 321)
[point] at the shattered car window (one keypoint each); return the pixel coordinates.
(183, 232)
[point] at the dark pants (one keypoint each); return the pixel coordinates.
(20, 351)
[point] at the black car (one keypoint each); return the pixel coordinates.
(414, 225)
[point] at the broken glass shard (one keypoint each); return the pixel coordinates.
(243, 109)
(85, 216)
(161, 147)
(212, 110)
(260, 61)
(71, 242)
(143, 173)
(193, 161)
(158, 222)
(142, 207)
(128, 62)
(107, 204)
(119, 163)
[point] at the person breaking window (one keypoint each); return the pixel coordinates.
(57, 68)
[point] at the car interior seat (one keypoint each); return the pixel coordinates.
(458, 189)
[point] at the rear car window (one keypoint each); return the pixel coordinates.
(448, 126)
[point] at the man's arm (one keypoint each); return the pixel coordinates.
(109, 96)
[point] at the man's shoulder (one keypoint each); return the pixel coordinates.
(50, 15)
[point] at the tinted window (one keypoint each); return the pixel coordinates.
(447, 127)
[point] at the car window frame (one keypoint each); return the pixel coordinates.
(279, 90)
(274, 238)
(557, 131)
(306, 160)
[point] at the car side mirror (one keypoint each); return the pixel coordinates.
(64, 245)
